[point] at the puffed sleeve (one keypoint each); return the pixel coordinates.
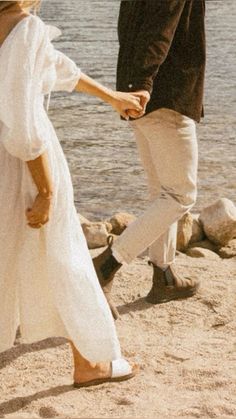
(60, 72)
(22, 115)
(32, 67)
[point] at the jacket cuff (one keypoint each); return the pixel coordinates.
(144, 84)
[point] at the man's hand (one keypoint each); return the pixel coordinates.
(124, 102)
(144, 97)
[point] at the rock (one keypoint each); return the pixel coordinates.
(228, 251)
(83, 220)
(197, 230)
(108, 226)
(96, 234)
(120, 221)
(184, 232)
(219, 221)
(205, 244)
(199, 252)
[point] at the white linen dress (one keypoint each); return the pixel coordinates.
(47, 281)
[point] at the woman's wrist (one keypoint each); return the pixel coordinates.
(46, 194)
(92, 87)
(108, 96)
(112, 97)
(40, 172)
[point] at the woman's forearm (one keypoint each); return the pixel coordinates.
(91, 87)
(120, 101)
(40, 172)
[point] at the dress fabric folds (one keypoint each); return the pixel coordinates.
(47, 281)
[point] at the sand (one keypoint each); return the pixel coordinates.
(186, 351)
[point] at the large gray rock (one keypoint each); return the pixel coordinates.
(96, 234)
(184, 232)
(197, 229)
(219, 221)
(120, 222)
(228, 251)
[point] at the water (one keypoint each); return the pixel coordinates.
(100, 149)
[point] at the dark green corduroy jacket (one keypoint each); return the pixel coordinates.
(163, 50)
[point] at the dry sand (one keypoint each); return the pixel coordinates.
(186, 349)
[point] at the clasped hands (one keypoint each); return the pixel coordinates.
(131, 105)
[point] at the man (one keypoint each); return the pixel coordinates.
(162, 59)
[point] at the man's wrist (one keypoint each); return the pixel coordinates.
(141, 85)
(143, 93)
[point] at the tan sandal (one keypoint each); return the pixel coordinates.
(121, 371)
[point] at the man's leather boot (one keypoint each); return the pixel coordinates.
(106, 267)
(168, 285)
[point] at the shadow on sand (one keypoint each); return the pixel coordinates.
(18, 350)
(18, 403)
(138, 305)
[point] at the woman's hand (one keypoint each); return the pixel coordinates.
(123, 103)
(38, 215)
(144, 97)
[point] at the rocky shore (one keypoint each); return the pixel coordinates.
(211, 234)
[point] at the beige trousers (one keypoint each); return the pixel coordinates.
(168, 148)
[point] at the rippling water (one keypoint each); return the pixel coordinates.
(100, 149)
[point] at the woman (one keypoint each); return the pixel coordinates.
(47, 281)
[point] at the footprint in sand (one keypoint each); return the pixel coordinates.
(47, 412)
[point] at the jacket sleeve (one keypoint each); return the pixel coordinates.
(154, 40)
